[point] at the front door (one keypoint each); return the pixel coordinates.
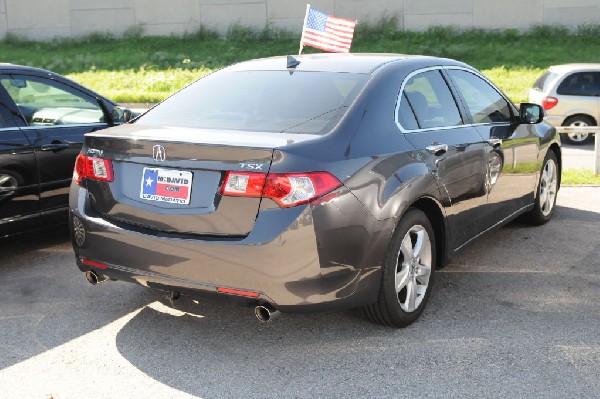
(19, 191)
(55, 117)
(512, 149)
(455, 153)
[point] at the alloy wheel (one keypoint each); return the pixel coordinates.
(548, 185)
(578, 137)
(413, 268)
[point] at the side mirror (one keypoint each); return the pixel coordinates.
(121, 115)
(531, 113)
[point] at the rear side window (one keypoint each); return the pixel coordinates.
(265, 101)
(484, 102)
(431, 102)
(580, 84)
(406, 115)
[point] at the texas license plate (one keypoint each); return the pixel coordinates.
(166, 185)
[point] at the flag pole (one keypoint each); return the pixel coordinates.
(304, 27)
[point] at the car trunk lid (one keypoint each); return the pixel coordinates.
(168, 179)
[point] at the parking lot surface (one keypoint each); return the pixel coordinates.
(517, 314)
(578, 156)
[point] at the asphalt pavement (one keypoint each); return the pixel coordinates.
(517, 314)
(578, 156)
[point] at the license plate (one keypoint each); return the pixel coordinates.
(166, 185)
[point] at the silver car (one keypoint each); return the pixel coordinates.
(570, 94)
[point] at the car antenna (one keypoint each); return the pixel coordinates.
(292, 63)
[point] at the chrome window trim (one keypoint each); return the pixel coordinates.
(36, 127)
(433, 129)
(399, 98)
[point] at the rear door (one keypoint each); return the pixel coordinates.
(455, 153)
(54, 117)
(19, 190)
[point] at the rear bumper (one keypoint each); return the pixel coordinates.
(309, 258)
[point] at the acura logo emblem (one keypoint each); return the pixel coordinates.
(159, 153)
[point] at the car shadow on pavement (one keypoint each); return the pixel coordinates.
(503, 304)
(211, 348)
(45, 300)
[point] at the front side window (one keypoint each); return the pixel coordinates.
(43, 102)
(580, 84)
(265, 101)
(484, 103)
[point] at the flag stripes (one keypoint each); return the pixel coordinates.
(327, 32)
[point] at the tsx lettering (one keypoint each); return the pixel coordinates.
(252, 166)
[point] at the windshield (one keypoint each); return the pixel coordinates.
(266, 101)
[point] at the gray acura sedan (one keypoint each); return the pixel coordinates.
(317, 182)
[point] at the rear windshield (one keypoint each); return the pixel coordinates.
(266, 101)
(541, 81)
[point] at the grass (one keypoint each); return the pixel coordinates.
(138, 86)
(147, 69)
(579, 176)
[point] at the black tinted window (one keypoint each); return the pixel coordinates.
(267, 101)
(580, 84)
(484, 102)
(430, 98)
(406, 117)
(2, 116)
(45, 102)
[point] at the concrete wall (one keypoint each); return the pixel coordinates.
(46, 19)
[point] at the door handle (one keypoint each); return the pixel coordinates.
(437, 149)
(54, 146)
(495, 142)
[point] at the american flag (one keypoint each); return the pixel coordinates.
(327, 32)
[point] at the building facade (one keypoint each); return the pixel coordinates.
(47, 19)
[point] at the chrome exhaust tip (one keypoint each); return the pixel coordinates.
(266, 313)
(94, 278)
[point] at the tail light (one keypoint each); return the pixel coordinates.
(92, 168)
(243, 184)
(549, 102)
(286, 189)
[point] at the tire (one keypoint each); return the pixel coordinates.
(545, 199)
(578, 138)
(412, 274)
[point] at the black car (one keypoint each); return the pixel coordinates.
(310, 183)
(43, 117)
